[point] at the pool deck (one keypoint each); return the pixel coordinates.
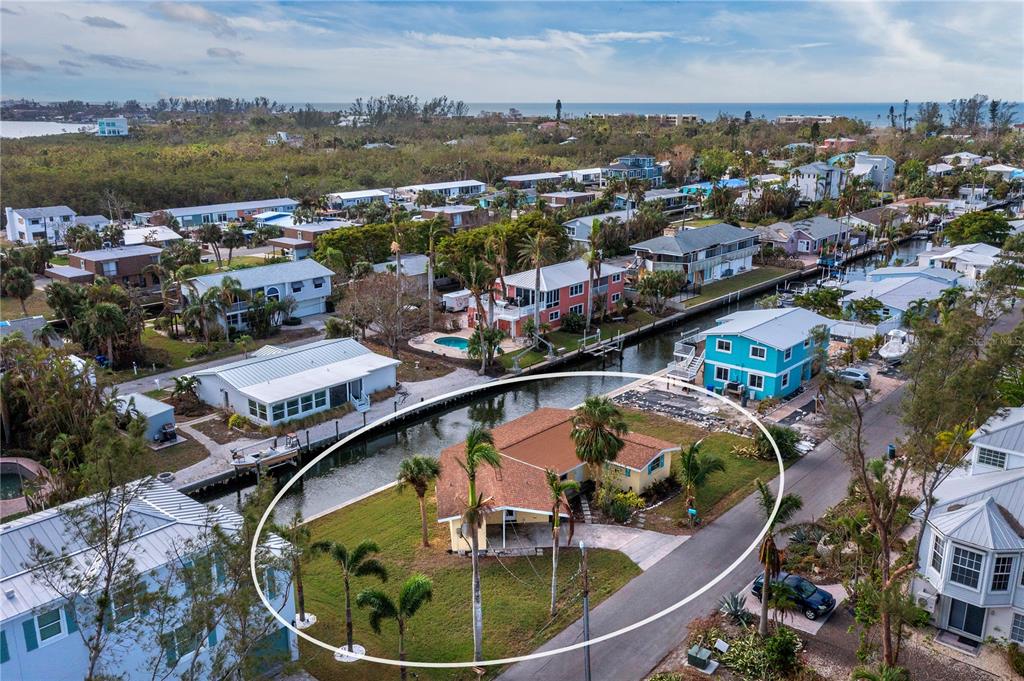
(31, 470)
(427, 343)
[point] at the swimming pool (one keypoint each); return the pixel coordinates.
(452, 342)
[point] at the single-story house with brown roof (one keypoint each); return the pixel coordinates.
(518, 492)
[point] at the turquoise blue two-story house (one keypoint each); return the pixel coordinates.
(764, 353)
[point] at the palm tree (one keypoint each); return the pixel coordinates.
(883, 673)
(355, 563)
(478, 277)
(435, 228)
(769, 555)
(558, 488)
(480, 451)
(107, 322)
(230, 292)
(297, 534)
(415, 592)
(593, 259)
(210, 234)
(483, 343)
(496, 252)
(695, 469)
(418, 472)
(536, 252)
(233, 238)
(18, 284)
(186, 388)
(597, 430)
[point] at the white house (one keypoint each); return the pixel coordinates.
(940, 169)
(578, 229)
(190, 217)
(965, 159)
(449, 190)
(358, 197)
(877, 169)
(1002, 170)
(156, 235)
(970, 575)
(39, 627)
(529, 181)
(818, 181)
(112, 127)
(47, 223)
(897, 294)
(306, 281)
(585, 176)
(275, 384)
(970, 260)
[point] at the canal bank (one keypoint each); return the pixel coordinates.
(360, 467)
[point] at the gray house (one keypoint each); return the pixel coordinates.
(159, 415)
(703, 254)
(971, 558)
(804, 236)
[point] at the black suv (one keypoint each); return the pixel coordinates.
(814, 602)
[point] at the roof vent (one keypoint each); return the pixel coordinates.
(9, 593)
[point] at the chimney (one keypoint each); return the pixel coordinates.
(671, 231)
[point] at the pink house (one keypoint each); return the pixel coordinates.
(563, 290)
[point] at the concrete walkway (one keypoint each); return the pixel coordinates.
(643, 547)
(217, 462)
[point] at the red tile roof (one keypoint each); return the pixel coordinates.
(528, 446)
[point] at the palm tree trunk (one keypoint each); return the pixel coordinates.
(590, 296)
(110, 350)
(300, 596)
(762, 627)
(478, 609)
(554, 565)
(423, 520)
(430, 287)
(536, 298)
(348, 616)
(401, 649)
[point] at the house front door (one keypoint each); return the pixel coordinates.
(967, 618)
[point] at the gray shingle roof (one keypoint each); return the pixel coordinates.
(690, 240)
(265, 275)
(44, 212)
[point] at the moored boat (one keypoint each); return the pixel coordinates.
(268, 453)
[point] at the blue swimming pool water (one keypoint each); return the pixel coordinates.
(452, 342)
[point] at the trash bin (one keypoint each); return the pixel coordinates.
(743, 398)
(891, 451)
(710, 388)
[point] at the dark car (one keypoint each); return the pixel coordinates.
(813, 602)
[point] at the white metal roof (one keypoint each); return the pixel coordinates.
(298, 370)
(438, 186)
(1004, 431)
(981, 523)
(778, 328)
(360, 194)
(119, 252)
(156, 233)
(413, 264)
(161, 518)
(266, 275)
(532, 176)
(558, 276)
(899, 292)
(224, 207)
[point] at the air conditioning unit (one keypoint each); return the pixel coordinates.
(927, 601)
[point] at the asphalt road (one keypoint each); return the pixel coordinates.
(820, 478)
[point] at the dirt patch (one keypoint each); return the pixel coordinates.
(218, 431)
(175, 458)
(289, 335)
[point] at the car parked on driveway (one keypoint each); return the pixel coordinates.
(813, 602)
(858, 378)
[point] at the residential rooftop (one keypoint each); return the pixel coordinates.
(278, 273)
(558, 276)
(780, 328)
(117, 252)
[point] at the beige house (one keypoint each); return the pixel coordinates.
(519, 498)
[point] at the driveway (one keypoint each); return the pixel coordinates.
(820, 478)
(643, 547)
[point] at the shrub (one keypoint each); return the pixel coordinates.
(1015, 658)
(200, 350)
(770, 659)
(705, 631)
(573, 322)
(292, 321)
(239, 422)
(666, 676)
(619, 511)
(781, 650)
(733, 606)
(766, 405)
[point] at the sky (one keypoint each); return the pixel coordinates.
(514, 51)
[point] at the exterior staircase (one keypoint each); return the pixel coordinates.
(362, 404)
(687, 362)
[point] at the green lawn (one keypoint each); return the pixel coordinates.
(515, 607)
(733, 284)
(722, 490)
(177, 354)
(35, 304)
(181, 455)
(567, 342)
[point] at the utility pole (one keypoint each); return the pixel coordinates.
(586, 615)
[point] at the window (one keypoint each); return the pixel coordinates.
(1001, 573)
(181, 642)
(5, 653)
(616, 278)
(318, 282)
(938, 552)
(991, 457)
(1017, 628)
(307, 402)
(273, 293)
(656, 464)
(124, 606)
(49, 625)
(615, 297)
(278, 411)
(575, 290)
(807, 342)
(552, 298)
(721, 373)
(554, 315)
(576, 309)
(320, 399)
(110, 268)
(258, 409)
(966, 568)
(755, 381)
(252, 408)
(785, 380)
(296, 287)
(723, 345)
(758, 352)
(293, 407)
(787, 355)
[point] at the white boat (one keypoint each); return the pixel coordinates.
(268, 453)
(896, 346)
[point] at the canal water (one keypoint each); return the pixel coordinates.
(359, 468)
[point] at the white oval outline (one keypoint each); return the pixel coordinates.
(544, 653)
